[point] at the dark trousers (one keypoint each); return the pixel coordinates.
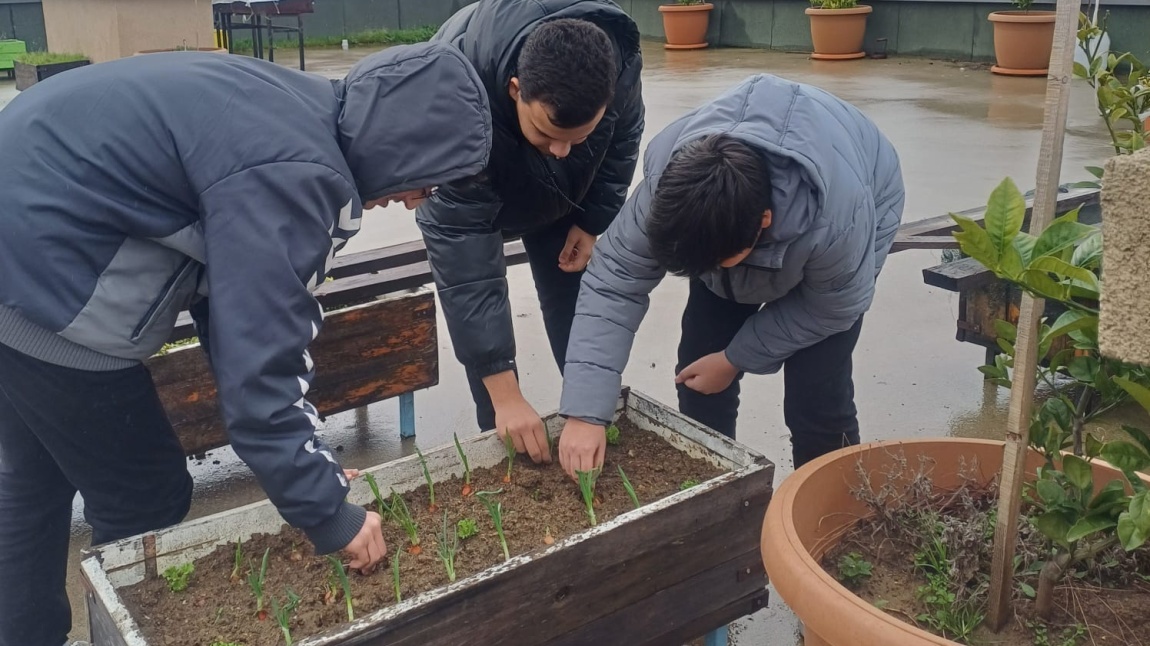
(103, 434)
(818, 404)
(557, 290)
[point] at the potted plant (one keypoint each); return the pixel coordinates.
(838, 28)
(685, 23)
(1022, 40)
(36, 66)
(928, 506)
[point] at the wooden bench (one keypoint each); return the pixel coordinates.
(376, 343)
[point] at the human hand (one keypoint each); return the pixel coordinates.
(709, 375)
(517, 418)
(351, 474)
(582, 447)
(367, 548)
(577, 252)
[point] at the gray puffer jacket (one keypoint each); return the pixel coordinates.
(837, 195)
(137, 188)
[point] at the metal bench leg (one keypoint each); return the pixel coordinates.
(717, 637)
(407, 415)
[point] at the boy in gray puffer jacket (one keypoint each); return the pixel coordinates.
(135, 189)
(780, 203)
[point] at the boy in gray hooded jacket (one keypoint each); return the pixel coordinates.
(780, 203)
(139, 188)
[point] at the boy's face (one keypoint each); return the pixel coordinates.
(742, 255)
(546, 137)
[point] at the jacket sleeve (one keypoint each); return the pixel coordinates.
(465, 250)
(609, 189)
(268, 233)
(837, 288)
(613, 300)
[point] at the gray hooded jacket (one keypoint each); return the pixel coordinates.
(837, 197)
(140, 187)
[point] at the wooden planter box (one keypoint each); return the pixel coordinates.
(29, 75)
(665, 573)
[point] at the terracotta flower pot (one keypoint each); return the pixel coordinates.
(838, 34)
(686, 25)
(814, 508)
(1022, 42)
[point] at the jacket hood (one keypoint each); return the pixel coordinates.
(413, 116)
(497, 28)
(793, 128)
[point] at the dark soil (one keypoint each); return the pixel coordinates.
(1104, 602)
(541, 505)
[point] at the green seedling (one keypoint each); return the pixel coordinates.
(431, 506)
(380, 503)
(587, 487)
(495, 508)
(395, 576)
(629, 488)
(239, 562)
(399, 511)
(550, 441)
(466, 468)
(467, 527)
(341, 575)
(688, 483)
(854, 569)
(177, 576)
(447, 546)
(509, 448)
(283, 614)
(613, 435)
(256, 580)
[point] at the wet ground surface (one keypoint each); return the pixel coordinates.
(959, 130)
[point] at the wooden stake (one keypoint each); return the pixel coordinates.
(1030, 313)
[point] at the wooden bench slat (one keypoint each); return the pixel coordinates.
(958, 276)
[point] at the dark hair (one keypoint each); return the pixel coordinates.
(568, 65)
(708, 205)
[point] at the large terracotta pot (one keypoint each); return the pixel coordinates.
(1022, 42)
(686, 25)
(838, 34)
(813, 509)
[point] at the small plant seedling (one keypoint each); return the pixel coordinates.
(401, 514)
(613, 435)
(380, 504)
(283, 613)
(431, 506)
(495, 508)
(395, 576)
(854, 569)
(550, 441)
(466, 468)
(688, 483)
(587, 487)
(341, 575)
(177, 576)
(447, 546)
(548, 539)
(467, 527)
(239, 562)
(509, 448)
(256, 581)
(629, 488)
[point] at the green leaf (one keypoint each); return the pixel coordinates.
(1061, 358)
(1004, 214)
(1058, 411)
(1050, 492)
(1027, 589)
(1140, 393)
(1010, 263)
(1053, 525)
(1061, 234)
(1063, 269)
(1005, 330)
(1024, 243)
(1044, 286)
(1089, 525)
(1138, 436)
(1112, 494)
(1086, 184)
(1080, 71)
(1089, 251)
(1093, 446)
(1072, 320)
(1134, 524)
(975, 242)
(1083, 368)
(1125, 456)
(1077, 471)
(1096, 171)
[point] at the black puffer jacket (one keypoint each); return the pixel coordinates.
(465, 224)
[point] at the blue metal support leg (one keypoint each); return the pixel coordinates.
(717, 637)
(407, 415)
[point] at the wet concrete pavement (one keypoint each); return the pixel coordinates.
(959, 130)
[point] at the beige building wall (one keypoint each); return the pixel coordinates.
(1124, 324)
(108, 29)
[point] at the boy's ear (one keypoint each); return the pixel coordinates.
(766, 218)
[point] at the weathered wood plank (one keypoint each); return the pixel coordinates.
(944, 224)
(958, 276)
(363, 355)
(749, 604)
(630, 566)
